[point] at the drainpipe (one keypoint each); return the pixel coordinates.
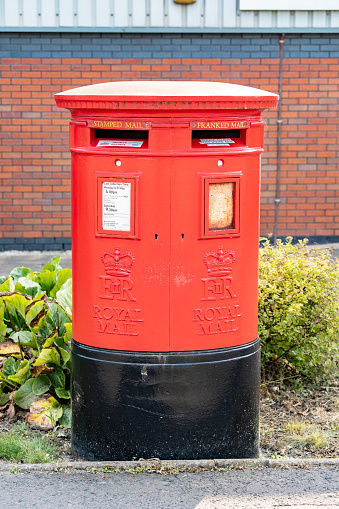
(279, 123)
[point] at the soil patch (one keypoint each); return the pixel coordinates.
(300, 424)
(294, 424)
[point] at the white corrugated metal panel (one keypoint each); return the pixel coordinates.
(48, 14)
(283, 19)
(175, 13)
(333, 19)
(288, 5)
(247, 20)
(301, 19)
(139, 11)
(157, 12)
(166, 14)
(230, 14)
(121, 13)
(195, 15)
(30, 13)
(86, 13)
(11, 13)
(319, 19)
(212, 13)
(66, 13)
(103, 13)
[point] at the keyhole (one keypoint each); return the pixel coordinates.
(182, 235)
(156, 236)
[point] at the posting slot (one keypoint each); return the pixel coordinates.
(217, 138)
(120, 138)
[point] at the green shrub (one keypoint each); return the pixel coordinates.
(35, 331)
(298, 310)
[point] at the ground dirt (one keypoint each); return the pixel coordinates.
(294, 424)
(300, 424)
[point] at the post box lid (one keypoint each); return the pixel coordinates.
(166, 95)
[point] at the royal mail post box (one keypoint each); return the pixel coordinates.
(165, 214)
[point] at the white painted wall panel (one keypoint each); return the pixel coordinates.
(121, 13)
(157, 13)
(103, 13)
(85, 13)
(176, 14)
(11, 9)
(48, 13)
(229, 14)
(193, 14)
(139, 13)
(66, 13)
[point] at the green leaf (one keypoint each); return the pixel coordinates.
(62, 393)
(17, 304)
(44, 412)
(19, 272)
(41, 385)
(47, 280)
(64, 296)
(22, 373)
(48, 355)
(68, 335)
(9, 367)
(26, 285)
(52, 265)
(63, 276)
(65, 419)
(34, 310)
(4, 399)
(49, 341)
(64, 349)
(57, 378)
(8, 285)
(27, 338)
(3, 326)
(24, 396)
(56, 318)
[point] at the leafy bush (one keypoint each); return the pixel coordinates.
(35, 332)
(298, 310)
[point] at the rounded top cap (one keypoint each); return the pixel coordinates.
(123, 94)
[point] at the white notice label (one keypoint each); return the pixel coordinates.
(116, 206)
(119, 143)
(217, 142)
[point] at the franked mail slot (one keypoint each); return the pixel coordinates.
(114, 138)
(217, 138)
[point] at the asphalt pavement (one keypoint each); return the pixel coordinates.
(295, 488)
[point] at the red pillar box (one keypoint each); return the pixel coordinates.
(165, 194)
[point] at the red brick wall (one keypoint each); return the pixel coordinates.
(35, 162)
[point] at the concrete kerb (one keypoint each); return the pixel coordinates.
(168, 466)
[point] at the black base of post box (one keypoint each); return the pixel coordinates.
(177, 405)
